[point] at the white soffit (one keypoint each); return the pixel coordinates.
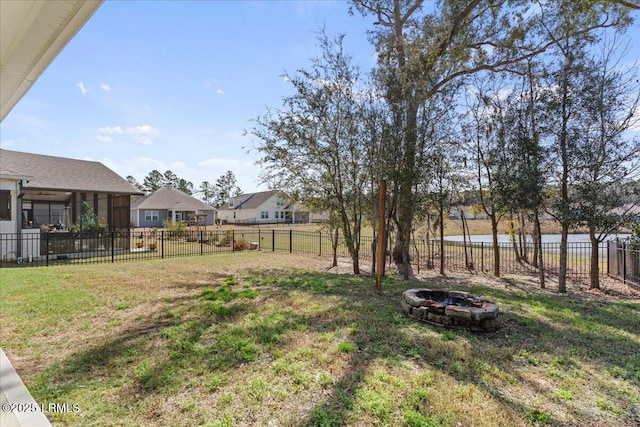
(32, 33)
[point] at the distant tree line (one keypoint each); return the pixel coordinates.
(522, 108)
(216, 194)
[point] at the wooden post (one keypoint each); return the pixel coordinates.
(382, 190)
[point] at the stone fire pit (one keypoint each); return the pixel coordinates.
(450, 308)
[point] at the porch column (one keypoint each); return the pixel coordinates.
(15, 209)
(110, 224)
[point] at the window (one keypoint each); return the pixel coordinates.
(264, 214)
(56, 213)
(5, 204)
(279, 201)
(151, 215)
(277, 213)
(44, 213)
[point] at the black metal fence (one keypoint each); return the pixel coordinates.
(37, 249)
(624, 262)
(479, 256)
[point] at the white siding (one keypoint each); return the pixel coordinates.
(13, 186)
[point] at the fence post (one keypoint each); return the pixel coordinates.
(482, 256)
(290, 241)
(233, 240)
(49, 249)
(431, 254)
(113, 246)
(273, 240)
(320, 234)
(259, 240)
(201, 243)
(624, 262)
(161, 244)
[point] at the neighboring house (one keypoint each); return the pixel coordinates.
(152, 209)
(254, 208)
(41, 192)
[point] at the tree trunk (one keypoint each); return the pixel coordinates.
(355, 260)
(513, 233)
(564, 179)
(562, 274)
(464, 240)
(406, 202)
(427, 242)
(416, 251)
(595, 268)
(496, 247)
(540, 252)
(334, 247)
(441, 208)
(537, 243)
(524, 253)
(374, 245)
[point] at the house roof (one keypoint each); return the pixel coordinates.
(170, 198)
(63, 174)
(250, 200)
(11, 174)
(33, 32)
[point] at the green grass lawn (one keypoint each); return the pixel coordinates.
(257, 338)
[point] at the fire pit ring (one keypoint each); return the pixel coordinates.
(450, 308)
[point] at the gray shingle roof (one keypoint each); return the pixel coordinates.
(170, 198)
(250, 200)
(59, 173)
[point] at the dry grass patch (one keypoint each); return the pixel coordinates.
(223, 340)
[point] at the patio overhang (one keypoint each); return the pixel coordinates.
(47, 195)
(32, 34)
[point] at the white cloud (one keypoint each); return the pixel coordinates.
(105, 87)
(110, 130)
(226, 164)
(143, 134)
(137, 167)
(83, 89)
(209, 83)
(179, 166)
(104, 138)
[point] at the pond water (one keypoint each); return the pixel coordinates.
(579, 244)
(546, 238)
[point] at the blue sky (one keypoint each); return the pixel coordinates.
(173, 84)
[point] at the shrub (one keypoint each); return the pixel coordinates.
(89, 221)
(172, 225)
(240, 245)
(227, 238)
(635, 236)
(176, 229)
